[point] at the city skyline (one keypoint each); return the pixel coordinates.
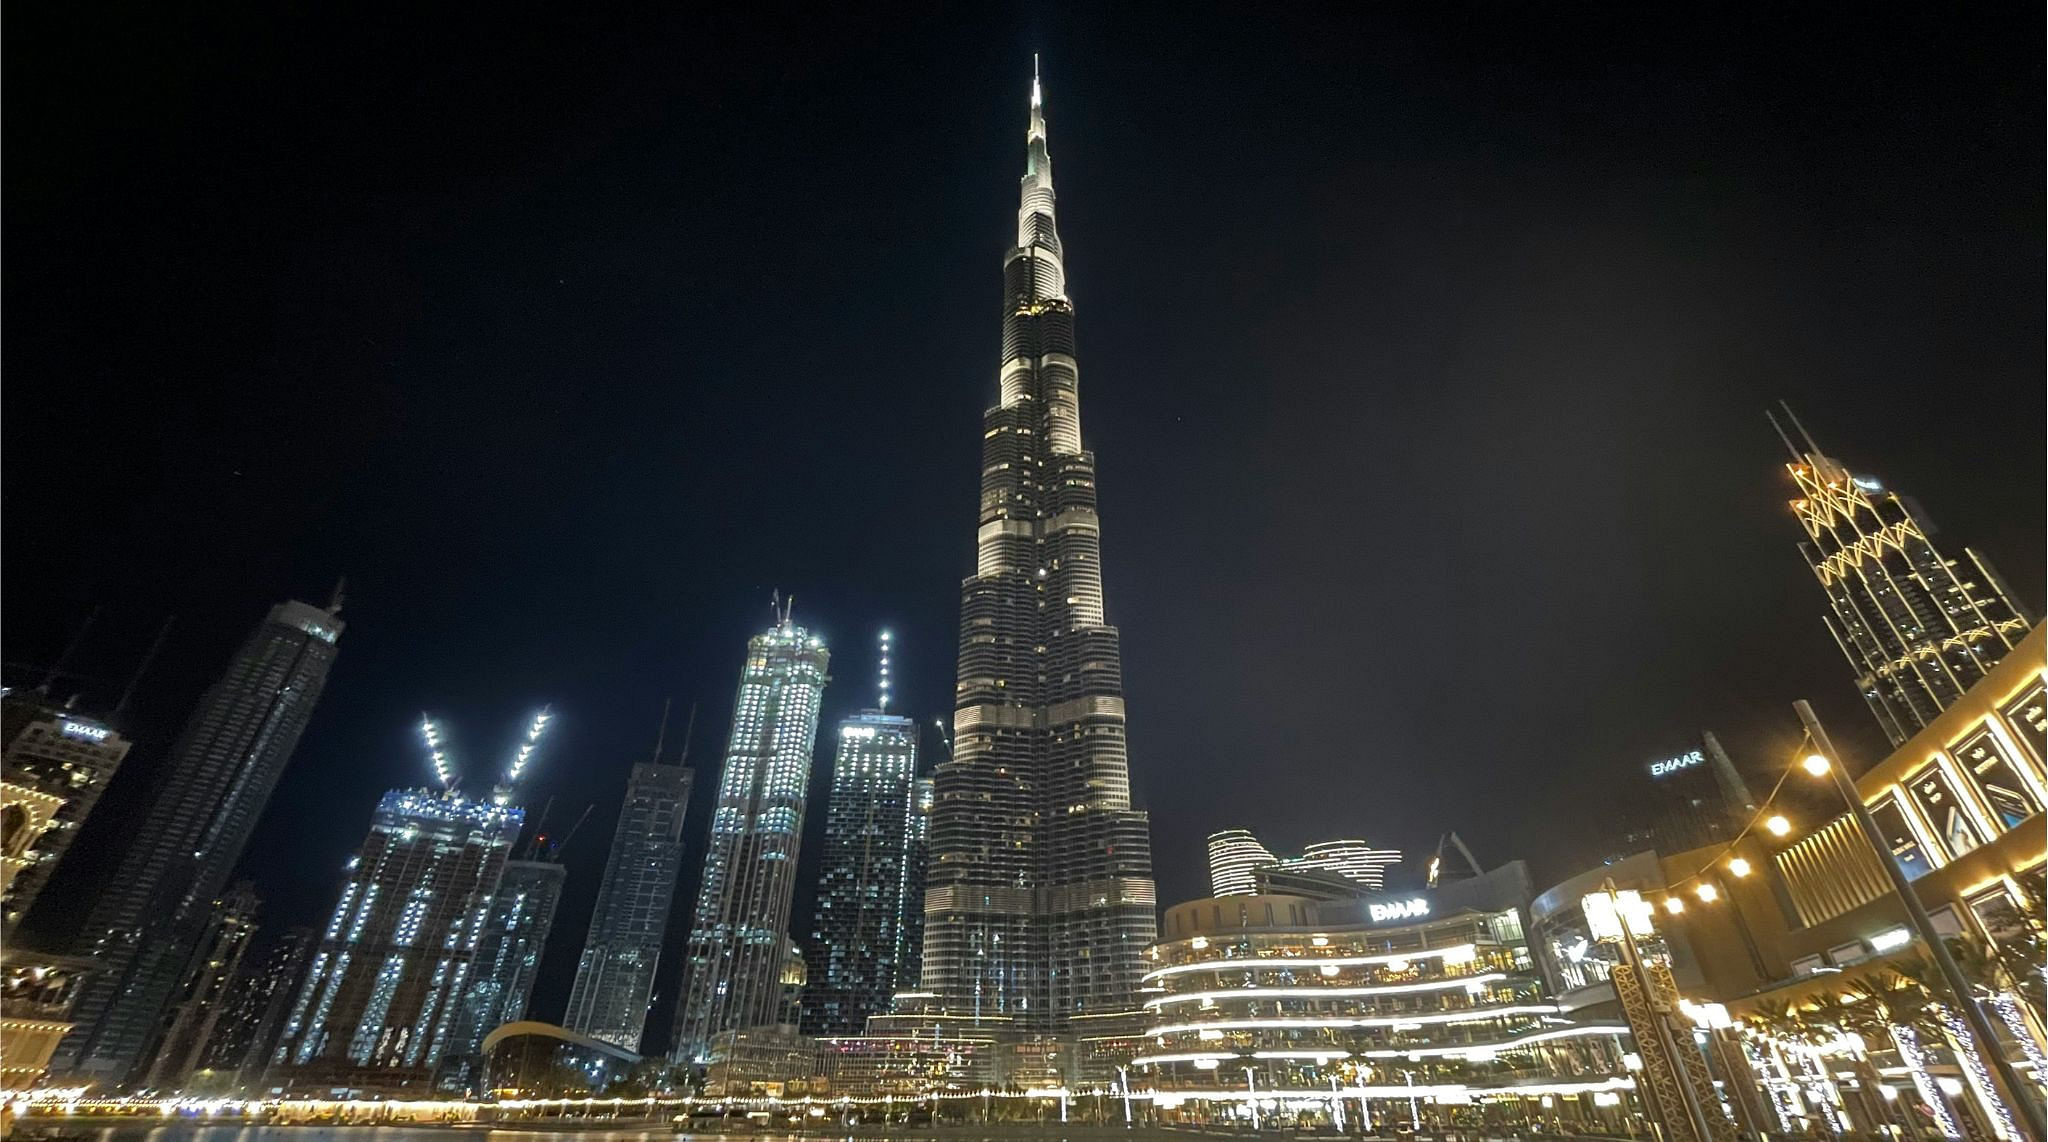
(1728, 468)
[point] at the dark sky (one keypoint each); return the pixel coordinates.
(1424, 352)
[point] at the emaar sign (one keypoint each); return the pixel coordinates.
(1674, 764)
(1397, 909)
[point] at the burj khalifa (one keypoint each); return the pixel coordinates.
(1040, 900)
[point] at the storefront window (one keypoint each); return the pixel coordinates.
(1999, 915)
(1891, 821)
(1938, 803)
(1984, 757)
(2028, 713)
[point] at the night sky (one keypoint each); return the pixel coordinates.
(1425, 354)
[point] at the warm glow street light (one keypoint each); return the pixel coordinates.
(1737, 866)
(1815, 764)
(1674, 905)
(1778, 825)
(1707, 892)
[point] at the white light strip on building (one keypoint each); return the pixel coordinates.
(1429, 1092)
(1311, 991)
(1465, 1050)
(1472, 1015)
(1455, 953)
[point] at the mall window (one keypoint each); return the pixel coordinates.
(1891, 821)
(1936, 799)
(2027, 711)
(1998, 778)
(1999, 915)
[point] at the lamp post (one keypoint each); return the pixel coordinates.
(2010, 1090)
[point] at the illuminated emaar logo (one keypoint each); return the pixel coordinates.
(85, 730)
(1398, 909)
(1674, 764)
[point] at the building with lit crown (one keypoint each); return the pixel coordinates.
(1236, 857)
(151, 916)
(382, 1006)
(1918, 628)
(1039, 898)
(739, 932)
(55, 761)
(615, 974)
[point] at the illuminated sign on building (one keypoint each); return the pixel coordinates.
(85, 730)
(1398, 909)
(1674, 764)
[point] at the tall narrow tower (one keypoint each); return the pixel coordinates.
(152, 916)
(856, 951)
(1917, 628)
(1040, 899)
(615, 976)
(739, 935)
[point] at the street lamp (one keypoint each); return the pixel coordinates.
(1826, 762)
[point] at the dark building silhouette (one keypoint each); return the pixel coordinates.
(151, 917)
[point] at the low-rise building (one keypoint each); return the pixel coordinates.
(1427, 1005)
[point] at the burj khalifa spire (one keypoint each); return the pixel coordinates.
(1040, 900)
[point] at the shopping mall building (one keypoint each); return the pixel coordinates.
(1426, 1007)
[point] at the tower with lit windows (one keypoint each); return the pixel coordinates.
(391, 994)
(1917, 627)
(739, 932)
(1039, 901)
(1236, 858)
(864, 882)
(615, 975)
(152, 916)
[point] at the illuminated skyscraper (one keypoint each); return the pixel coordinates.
(152, 915)
(739, 934)
(1039, 899)
(1918, 628)
(1236, 857)
(51, 750)
(856, 952)
(508, 958)
(615, 976)
(425, 941)
(382, 1004)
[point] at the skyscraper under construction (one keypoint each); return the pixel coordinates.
(1917, 627)
(1040, 899)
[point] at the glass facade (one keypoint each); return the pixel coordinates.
(150, 918)
(615, 975)
(740, 930)
(863, 904)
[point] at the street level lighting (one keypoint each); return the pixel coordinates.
(1674, 904)
(1707, 892)
(2010, 1090)
(1737, 866)
(1778, 825)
